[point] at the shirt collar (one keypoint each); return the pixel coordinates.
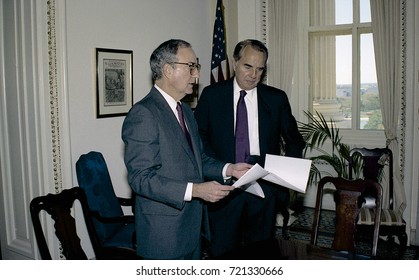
(250, 93)
(170, 100)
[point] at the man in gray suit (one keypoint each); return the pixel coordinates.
(166, 165)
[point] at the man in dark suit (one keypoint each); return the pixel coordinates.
(242, 218)
(166, 163)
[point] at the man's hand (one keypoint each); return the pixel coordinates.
(238, 169)
(211, 191)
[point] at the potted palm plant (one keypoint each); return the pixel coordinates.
(317, 132)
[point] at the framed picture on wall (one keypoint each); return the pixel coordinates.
(113, 82)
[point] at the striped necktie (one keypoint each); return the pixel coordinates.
(183, 125)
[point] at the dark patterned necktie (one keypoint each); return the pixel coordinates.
(182, 124)
(242, 131)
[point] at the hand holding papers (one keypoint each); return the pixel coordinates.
(248, 183)
(289, 172)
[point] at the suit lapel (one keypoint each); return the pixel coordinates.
(264, 112)
(173, 127)
(193, 131)
(226, 105)
(229, 103)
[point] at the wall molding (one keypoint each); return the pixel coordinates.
(53, 96)
(34, 124)
(21, 129)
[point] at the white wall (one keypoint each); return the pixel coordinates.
(132, 25)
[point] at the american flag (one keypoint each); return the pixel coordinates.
(219, 63)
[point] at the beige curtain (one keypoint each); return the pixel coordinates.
(282, 34)
(387, 36)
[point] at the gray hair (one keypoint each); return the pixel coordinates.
(165, 53)
(255, 44)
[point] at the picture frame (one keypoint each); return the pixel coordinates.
(114, 92)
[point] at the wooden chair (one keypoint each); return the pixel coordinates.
(373, 162)
(349, 197)
(59, 207)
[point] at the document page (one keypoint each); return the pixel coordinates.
(289, 172)
(248, 181)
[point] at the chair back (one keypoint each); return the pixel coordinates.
(349, 197)
(373, 162)
(377, 164)
(93, 177)
(59, 207)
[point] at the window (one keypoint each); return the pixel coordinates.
(343, 83)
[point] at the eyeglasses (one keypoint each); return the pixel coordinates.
(193, 67)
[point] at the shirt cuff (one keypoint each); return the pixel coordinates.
(188, 193)
(225, 172)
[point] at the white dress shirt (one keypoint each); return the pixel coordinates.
(251, 100)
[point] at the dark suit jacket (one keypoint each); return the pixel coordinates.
(160, 163)
(277, 126)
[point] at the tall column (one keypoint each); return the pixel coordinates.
(323, 62)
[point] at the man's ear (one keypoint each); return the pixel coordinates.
(233, 63)
(167, 70)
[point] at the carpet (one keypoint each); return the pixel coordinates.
(300, 231)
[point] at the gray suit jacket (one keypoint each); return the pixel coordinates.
(160, 163)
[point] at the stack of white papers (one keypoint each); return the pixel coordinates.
(288, 172)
